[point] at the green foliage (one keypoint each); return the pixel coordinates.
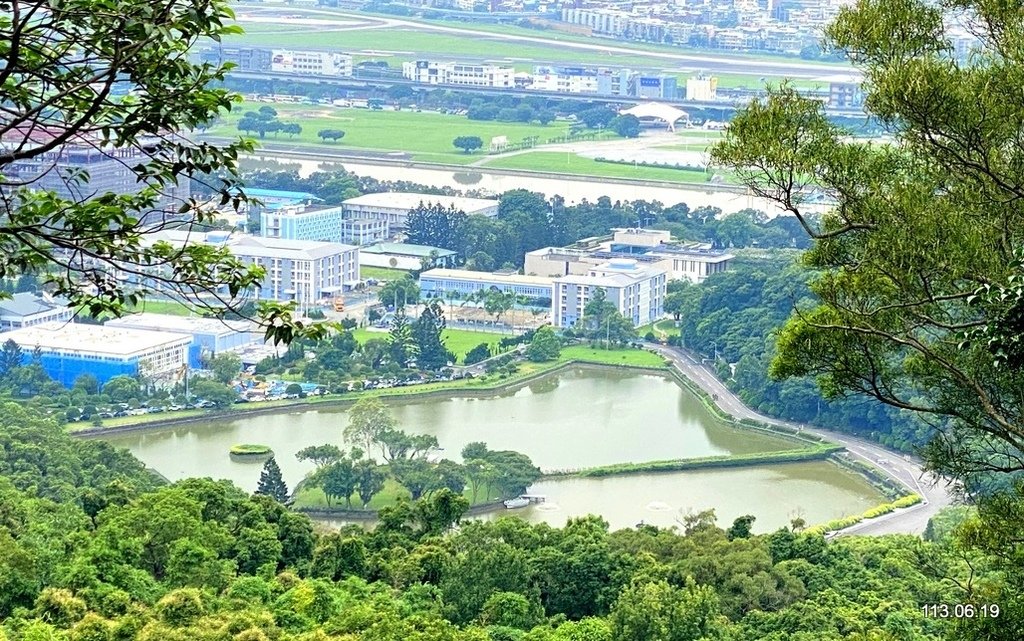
(251, 449)
(468, 143)
(225, 367)
(919, 237)
(544, 346)
(729, 460)
(479, 353)
(271, 483)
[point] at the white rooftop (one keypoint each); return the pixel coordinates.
(487, 277)
(255, 246)
(181, 324)
(102, 340)
(408, 201)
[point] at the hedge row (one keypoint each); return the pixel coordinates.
(847, 521)
(737, 460)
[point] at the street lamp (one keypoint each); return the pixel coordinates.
(715, 345)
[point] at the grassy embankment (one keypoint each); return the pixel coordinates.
(488, 383)
(812, 453)
(566, 163)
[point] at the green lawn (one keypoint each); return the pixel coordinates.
(164, 307)
(389, 130)
(459, 341)
(381, 273)
(631, 357)
(662, 328)
(567, 163)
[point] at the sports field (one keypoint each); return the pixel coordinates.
(428, 135)
(459, 341)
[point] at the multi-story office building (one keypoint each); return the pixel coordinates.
(297, 222)
(393, 207)
(702, 88)
(363, 231)
(663, 87)
(458, 73)
(651, 247)
(109, 171)
(597, 80)
(636, 290)
(300, 270)
(440, 283)
(68, 350)
(311, 63)
(244, 58)
(296, 270)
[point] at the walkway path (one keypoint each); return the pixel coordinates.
(905, 470)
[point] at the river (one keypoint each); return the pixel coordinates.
(572, 188)
(579, 417)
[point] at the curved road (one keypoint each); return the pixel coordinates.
(710, 61)
(903, 469)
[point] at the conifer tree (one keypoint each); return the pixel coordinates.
(271, 482)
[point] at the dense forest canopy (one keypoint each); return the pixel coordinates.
(919, 296)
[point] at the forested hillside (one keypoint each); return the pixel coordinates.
(737, 314)
(94, 548)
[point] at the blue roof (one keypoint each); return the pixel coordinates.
(279, 193)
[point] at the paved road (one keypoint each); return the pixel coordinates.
(708, 62)
(905, 470)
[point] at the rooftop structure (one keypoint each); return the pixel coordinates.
(211, 335)
(68, 350)
(636, 290)
(404, 255)
(299, 270)
(653, 247)
(26, 309)
(439, 283)
(654, 111)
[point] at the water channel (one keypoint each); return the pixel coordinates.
(580, 417)
(571, 189)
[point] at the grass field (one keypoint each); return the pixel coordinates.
(630, 357)
(564, 163)
(459, 341)
(381, 273)
(402, 44)
(164, 307)
(389, 130)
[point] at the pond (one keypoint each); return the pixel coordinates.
(579, 417)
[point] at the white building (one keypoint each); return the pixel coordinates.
(439, 283)
(24, 310)
(297, 222)
(68, 350)
(456, 73)
(300, 270)
(653, 248)
(211, 335)
(701, 88)
(637, 291)
(304, 271)
(311, 63)
(393, 207)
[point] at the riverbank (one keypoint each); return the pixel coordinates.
(634, 359)
(680, 465)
